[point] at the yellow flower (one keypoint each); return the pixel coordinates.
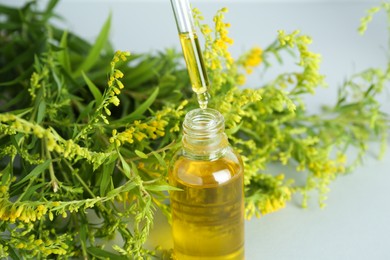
(120, 84)
(139, 136)
(252, 59)
(341, 158)
(3, 189)
(268, 208)
(241, 79)
(205, 29)
(20, 245)
(115, 100)
(118, 74)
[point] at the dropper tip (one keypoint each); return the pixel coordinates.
(203, 99)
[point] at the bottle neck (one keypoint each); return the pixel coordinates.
(203, 134)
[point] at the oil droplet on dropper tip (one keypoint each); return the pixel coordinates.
(203, 99)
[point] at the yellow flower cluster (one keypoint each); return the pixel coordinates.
(272, 205)
(54, 142)
(316, 161)
(20, 211)
(3, 191)
(233, 105)
(287, 39)
(251, 59)
(216, 48)
(36, 81)
(302, 42)
(152, 129)
(119, 56)
(264, 203)
(39, 247)
(43, 245)
(115, 85)
(364, 21)
(126, 197)
(310, 78)
(20, 125)
(329, 168)
(221, 65)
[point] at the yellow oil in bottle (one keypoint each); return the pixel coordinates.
(195, 66)
(207, 215)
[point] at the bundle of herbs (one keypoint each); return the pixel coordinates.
(89, 131)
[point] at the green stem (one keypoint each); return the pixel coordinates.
(31, 180)
(84, 185)
(167, 147)
(80, 179)
(53, 179)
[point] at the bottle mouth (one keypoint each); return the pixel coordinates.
(204, 123)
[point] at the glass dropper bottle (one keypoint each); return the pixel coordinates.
(191, 49)
(208, 209)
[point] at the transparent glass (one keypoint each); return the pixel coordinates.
(183, 15)
(208, 211)
(191, 50)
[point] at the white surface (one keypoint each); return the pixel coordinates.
(354, 225)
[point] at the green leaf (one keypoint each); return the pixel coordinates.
(108, 169)
(140, 110)
(9, 26)
(21, 76)
(103, 254)
(278, 57)
(12, 253)
(159, 159)
(35, 172)
(160, 187)
(5, 174)
(128, 186)
(134, 168)
(74, 42)
(41, 111)
(125, 166)
(16, 61)
(141, 154)
(58, 82)
(85, 111)
(83, 235)
(18, 99)
(94, 90)
(63, 55)
(144, 71)
(50, 6)
(94, 54)
(27, 195)
(8, 10)
(367, 93)
(234, 129)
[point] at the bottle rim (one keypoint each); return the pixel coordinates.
(203, 123)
